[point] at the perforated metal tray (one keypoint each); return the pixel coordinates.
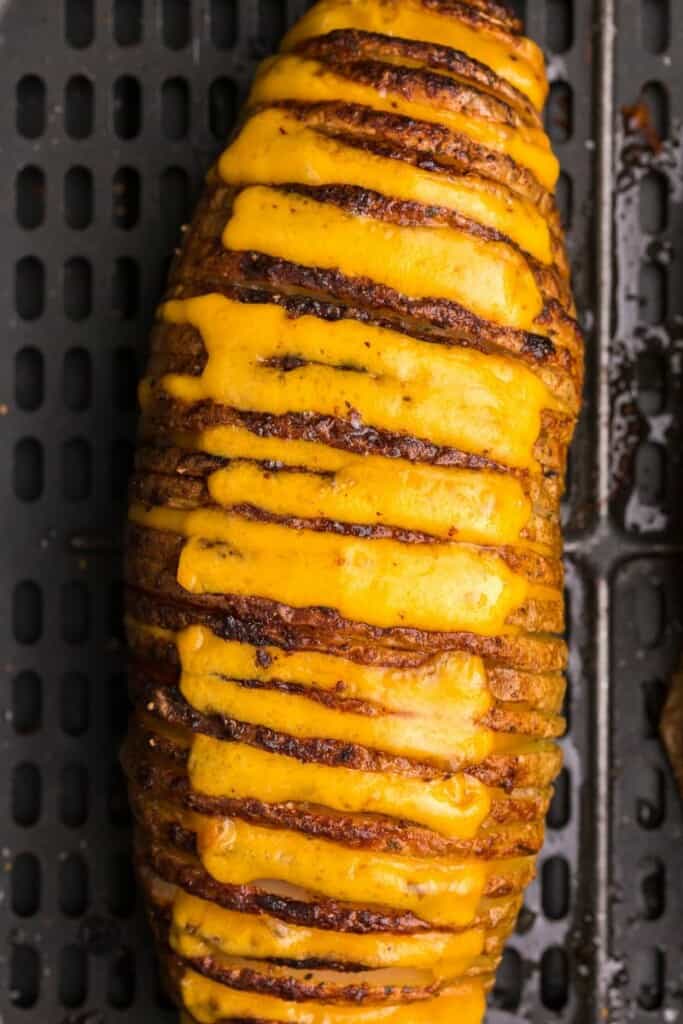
(112, 110)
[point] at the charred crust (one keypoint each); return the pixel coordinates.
(179, 348)
(163, 701)
(178, 456)
(189, 875)
(351, 434)
(187, 493)
(363, 202)
(536, 690)
(297, 989)
(277, 275)
(426, 144)
(152, 560)
(346, 46)
(505, 878)
(191, 492)
(171, 707)
(419, 84)
(266, 623)
(538, 347)
(160, 779)
(478, 12)
(495, 914)
(179, 477)
(203, 245)
(163, 491)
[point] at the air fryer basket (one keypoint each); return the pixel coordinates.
(112, 111)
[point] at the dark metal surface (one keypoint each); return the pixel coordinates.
(112, 111)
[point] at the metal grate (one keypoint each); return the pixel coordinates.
(647, 513)
(113, 111)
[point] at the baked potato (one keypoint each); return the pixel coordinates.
(344, 580)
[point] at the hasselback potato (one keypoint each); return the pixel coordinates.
(344, 579)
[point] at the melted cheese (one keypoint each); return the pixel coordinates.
(381, 582)
(441, 685)
(445, 954)
(383, 983)
(448, 740)
(234, 442)
(455, 806)
(489, 278)
(444, 891)
(449, 687)
(310, 81)
(456, 397)
(516, 59)
(211, 1003)
(276, 147)
(475, 506)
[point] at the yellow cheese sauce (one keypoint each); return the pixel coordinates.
(470, 506)
(433, 713)
(476, 506)
(450, 740)
(299, 79)
(455, 806)
(444, 954)
(276, 147)
(517, 60)
(457, 397)
(437, 685)
(385, 583)
(441, 685)
(234, 442)
(489, 278)
(382, 986)
(441, 891)
(211, 1003)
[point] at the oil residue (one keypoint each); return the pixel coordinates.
(644, 428)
